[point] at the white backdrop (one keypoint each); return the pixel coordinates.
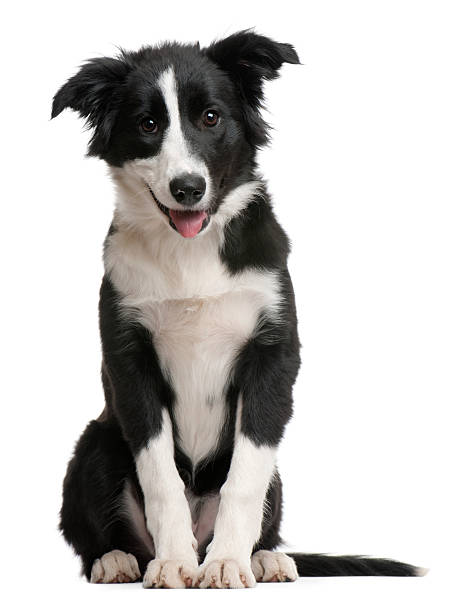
(362, 169)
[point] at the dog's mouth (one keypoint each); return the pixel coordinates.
(188, 223)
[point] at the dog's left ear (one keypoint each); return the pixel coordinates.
(93, 93)
(250, 59)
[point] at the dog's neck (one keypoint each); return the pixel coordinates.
(145, 256)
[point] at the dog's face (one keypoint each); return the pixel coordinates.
(178, 124)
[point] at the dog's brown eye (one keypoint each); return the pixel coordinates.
(149, 125)
(210, 118)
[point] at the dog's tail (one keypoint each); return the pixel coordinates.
(328, 565)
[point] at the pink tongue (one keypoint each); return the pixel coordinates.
(188, 223)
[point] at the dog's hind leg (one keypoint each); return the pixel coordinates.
(115, 566)
(266, 564)
(102, 511)
(270, 530)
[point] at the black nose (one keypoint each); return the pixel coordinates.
(188, 189)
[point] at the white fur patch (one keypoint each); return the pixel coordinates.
(168, 517)
(149, 261)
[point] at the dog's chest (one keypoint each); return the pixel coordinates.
(197, 341)
(199, 316)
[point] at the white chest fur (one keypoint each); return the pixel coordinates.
(199, 316)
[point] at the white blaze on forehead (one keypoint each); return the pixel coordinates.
(175, 155)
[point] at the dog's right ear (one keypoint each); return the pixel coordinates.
(93, 93)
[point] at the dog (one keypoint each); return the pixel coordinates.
(175, 483)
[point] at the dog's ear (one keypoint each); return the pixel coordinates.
(93, 92)
(250, 59)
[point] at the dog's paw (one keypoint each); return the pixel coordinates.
(271, 566)
(115, 567)
(169, 574)
(225, 574)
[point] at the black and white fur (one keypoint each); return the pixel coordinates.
(176, 481)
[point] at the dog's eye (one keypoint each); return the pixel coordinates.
(210, 118)
(149, 125)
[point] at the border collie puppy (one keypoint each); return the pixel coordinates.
(176, 481)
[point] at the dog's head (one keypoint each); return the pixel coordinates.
(178, 125)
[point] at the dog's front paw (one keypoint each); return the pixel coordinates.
(271, 566)
(170, 574)
(225, 574)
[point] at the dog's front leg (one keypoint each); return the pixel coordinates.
(264, 375)
(135, 393)
(168, 516)
(238, 524)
